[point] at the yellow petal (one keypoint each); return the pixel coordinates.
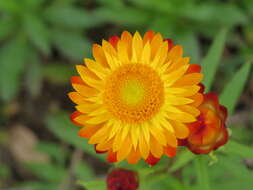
(175, 100)
(146, 53)
(76, 97)
(85, 90)
(189, 79)
(155, 147)
(124, 150)
(135, 133)
(99, 55)
(156, 43)
(158, 134)
(185, 91)
(96, 68)
(181, 117)
(137, 47)
(89, 77)
(144, 147)
(99, 119)
(181, 130)
(171, 139)
(171, 78)
(86, 108)
(100, 135)
(126, 37)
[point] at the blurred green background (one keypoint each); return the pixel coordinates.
(42, 40)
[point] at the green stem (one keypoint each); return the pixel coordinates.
(202, 174)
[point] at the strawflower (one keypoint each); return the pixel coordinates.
(122, 179)
(136, 97)
(210, 131)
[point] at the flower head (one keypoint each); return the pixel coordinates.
(209, 132)
(122, 179)
(136, 97)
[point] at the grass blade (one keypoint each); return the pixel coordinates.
(233, 90)
(202, 174)
(211, 61)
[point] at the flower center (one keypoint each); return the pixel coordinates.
(133, 93)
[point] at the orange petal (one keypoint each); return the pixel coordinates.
(76, 80)
(170, 43)
(194, 68)
(73, 116)
(148, 36)
(114, 40)
(76, 97)
(151, 160)
(134, 156)
(170, 151)
(87, 132)
(112, 157)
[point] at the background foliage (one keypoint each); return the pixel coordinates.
(42, 40)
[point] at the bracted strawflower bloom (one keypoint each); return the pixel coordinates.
(209, 132)
(135, 97)
(122, 179)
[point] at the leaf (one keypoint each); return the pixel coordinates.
(5, 172)
(37, 185)
(7, 26)
(34, 75)
(71, 44)
(55, 151)
(9, 6)
(129, 16)
(47, 172)
(60, 15)
(84, 171)
(183, 158)
(59, 124)
(202, 174)
(211, 61)
(37, 32)
(233, 89)
(13, 56)
(244, 151)
(93, 185)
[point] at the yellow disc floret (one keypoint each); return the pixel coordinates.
(133, 93)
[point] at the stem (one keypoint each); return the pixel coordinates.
(202, 174)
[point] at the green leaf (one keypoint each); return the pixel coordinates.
(9, 6)
(233, 89)
(37, 185)
(93, 185)
(37, 32)
(70, 17)
(72, 44)
(244, 151)
(55, 151)
(34, 75)
(129, 16)
(84, 171)
(202, 174)
(5, 171)
(211, 61)
(13, 56)
(183, 158)
(47, 172)
(7, 26)
(59, 124)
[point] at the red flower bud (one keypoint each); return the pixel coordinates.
(209, 132)
(122, 179)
